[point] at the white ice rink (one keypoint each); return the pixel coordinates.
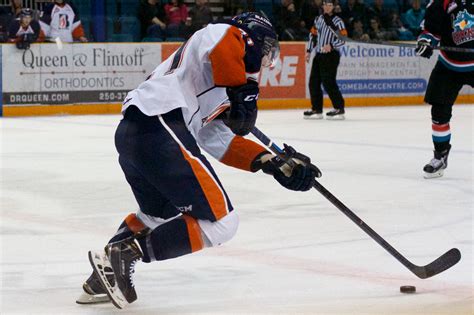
(63, 193)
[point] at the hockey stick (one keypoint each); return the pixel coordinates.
(400, 44)
(333, 28)
(445, 261)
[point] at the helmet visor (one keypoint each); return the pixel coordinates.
(270, 52)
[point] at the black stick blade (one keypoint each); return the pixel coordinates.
(446, 261)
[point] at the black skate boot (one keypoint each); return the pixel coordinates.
(123, 257)
(312, 114)
(336, 114)
(120, 258)
(94, 292)
(437, 164)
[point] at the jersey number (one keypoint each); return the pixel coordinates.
(177, 59)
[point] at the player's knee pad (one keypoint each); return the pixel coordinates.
(220, 231)
(151, 221)
(440, 113)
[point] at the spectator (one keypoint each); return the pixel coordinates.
(400, 31)
(413, 17)
(200, 15)
(7, 15)
(4, 22)
(289, 24)
(24, 30)
(236, 7)
(152, 17)
(61, 20)
(17, 6)
(353, 9)
(176, 16)
(379, 10)
(337, 8)
(377, 32)
(309, 11)
(358, 31)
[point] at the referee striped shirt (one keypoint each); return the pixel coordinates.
(325, 36)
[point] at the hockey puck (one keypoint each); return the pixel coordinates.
(408, 289)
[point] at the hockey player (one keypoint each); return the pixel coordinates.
(61, 20)
(449, 23)
(203, 96)
(24, 30)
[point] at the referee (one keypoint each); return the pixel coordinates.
(324, 68)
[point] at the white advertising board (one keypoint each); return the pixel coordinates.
(77, 73)
(368, 70)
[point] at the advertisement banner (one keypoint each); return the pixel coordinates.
(77, 73)
(376, 70)
(288, 78)
(368, 70)
(103, 73)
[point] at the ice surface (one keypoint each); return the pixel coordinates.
(63, 193)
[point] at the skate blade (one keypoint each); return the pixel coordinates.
(434, 175)
(85, 298)
(99, 262)
(337, 117)
(313, 117)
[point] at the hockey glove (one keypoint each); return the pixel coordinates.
(242, 115)
(299, 176)
(424, 48)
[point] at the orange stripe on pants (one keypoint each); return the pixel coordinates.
(214, 195)
(194, 232)
(134, 224)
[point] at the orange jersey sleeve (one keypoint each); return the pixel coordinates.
(227, 59)
(78, 32)
(241, 153)
(41, 37)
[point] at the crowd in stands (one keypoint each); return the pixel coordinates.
(59, 20)
(364, 22)
(173, 19)
(161, 20)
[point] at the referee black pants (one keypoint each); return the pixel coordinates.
(324, 71)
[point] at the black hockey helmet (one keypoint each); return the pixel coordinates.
(263, 33)
(26, 12)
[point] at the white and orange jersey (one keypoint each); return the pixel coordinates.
(61, 21)
(194, 79)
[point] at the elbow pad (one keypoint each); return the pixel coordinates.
(242, 115)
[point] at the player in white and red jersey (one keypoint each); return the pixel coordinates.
(203, 96)
(61, 20)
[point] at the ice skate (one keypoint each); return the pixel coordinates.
(118, 259)
(336, 114)
(435, 168)
(94, 292)
(312, 114)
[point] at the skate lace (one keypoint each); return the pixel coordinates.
(436, 163)
(132, 271)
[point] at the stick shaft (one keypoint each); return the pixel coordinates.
(336, 202)
(337, 32)
(409, 45)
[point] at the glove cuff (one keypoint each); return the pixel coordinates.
(262, 158)
(432, 39)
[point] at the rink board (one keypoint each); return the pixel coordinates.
(94, 78)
